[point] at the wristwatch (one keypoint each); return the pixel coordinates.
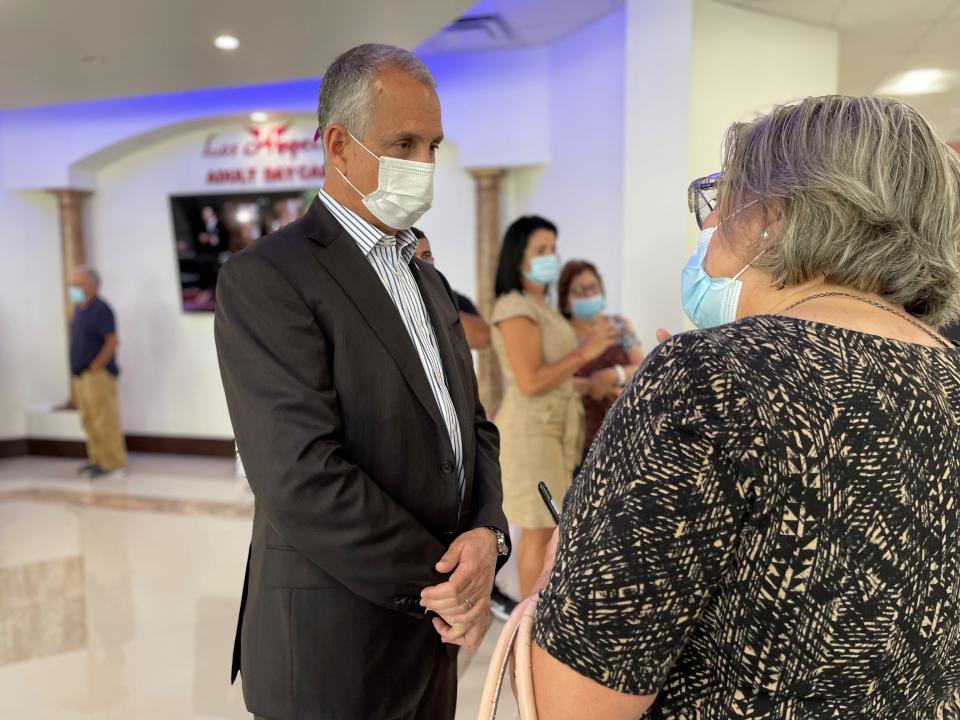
(502, 548)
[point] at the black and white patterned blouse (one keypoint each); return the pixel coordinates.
(767, 527)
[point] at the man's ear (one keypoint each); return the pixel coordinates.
(335, 140)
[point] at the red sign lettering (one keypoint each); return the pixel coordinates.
(224, 176)
(268, 140)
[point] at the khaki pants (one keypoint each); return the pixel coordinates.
(96, 396)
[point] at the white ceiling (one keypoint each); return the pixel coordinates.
(151, 46)
(157, 46)
(523, 23)
(882, 38)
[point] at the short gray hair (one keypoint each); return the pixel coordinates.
(868, 196)
(90, 273)
(345, 94)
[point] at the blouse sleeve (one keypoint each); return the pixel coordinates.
(512, 305)
(628, 338)
(649, 526)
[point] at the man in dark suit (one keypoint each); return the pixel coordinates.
(378, 525)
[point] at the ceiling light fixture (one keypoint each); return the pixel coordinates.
(226, 42)
(918, 82)
(259, 117)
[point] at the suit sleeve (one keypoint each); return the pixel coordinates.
(285, 413)
(487, 487)
(488, 490)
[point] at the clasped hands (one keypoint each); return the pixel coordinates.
(462, 603)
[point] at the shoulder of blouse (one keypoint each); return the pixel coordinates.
(690, 363)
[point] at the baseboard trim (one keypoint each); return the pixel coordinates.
(210, 447)
(13, 448)
(160, 444)
(46, 447)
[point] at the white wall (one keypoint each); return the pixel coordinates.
(655, 161)
(600, 132)
(45, 147)
(494, 105)
(33, 350)
(171, 383)
(580, 189)
(693, 68)
(494, 108)
(744, 63)
(451, 224)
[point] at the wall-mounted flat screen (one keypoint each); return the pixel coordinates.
(208, 229)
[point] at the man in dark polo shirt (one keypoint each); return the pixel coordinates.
(93, 346)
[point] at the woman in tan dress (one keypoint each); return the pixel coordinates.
(541, 417)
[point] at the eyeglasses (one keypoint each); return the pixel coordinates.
(702, 197)
(586, 290)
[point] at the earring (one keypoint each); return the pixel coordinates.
(765, 235)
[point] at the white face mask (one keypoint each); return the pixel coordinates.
(404, 191)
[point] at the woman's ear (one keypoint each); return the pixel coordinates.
(772, 214)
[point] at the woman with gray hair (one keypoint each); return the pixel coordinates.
(767, 524)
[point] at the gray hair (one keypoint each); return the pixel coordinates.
(868, 197)
(90, 273)
(345, 94)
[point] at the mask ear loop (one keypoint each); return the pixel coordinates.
(765, 235)
(362, 145)
(344, 176)
(348, 182)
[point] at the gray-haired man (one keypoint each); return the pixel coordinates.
(93, 366)
(352, 394)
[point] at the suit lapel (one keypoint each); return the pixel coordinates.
(432, 298)
(343, 259)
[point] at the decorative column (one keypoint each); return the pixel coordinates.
(488, 251)
(72, 248)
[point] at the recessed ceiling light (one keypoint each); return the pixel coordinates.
(918, 82)
(226, 42)
(259, 117)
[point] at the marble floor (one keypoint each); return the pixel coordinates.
(118, 598)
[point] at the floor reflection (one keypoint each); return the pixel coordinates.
(125, 594)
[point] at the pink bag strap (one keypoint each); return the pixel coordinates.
(514, 643)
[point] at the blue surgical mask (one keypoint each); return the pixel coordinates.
(78, 296)
(708, 301)
(544, 270)
(588, 308)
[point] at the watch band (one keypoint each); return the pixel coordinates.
(502, 548)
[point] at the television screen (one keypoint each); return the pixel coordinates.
(208, 229)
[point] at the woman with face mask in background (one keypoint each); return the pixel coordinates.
(599, 382)
(766, 526)
(541, 417)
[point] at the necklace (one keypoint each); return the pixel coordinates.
(875, 304)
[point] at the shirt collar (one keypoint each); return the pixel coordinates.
(367, 235)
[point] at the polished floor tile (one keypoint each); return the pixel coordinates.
(126, 592)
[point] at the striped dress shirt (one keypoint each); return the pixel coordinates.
(390, 257)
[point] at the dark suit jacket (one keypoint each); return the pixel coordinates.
(352, 470)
